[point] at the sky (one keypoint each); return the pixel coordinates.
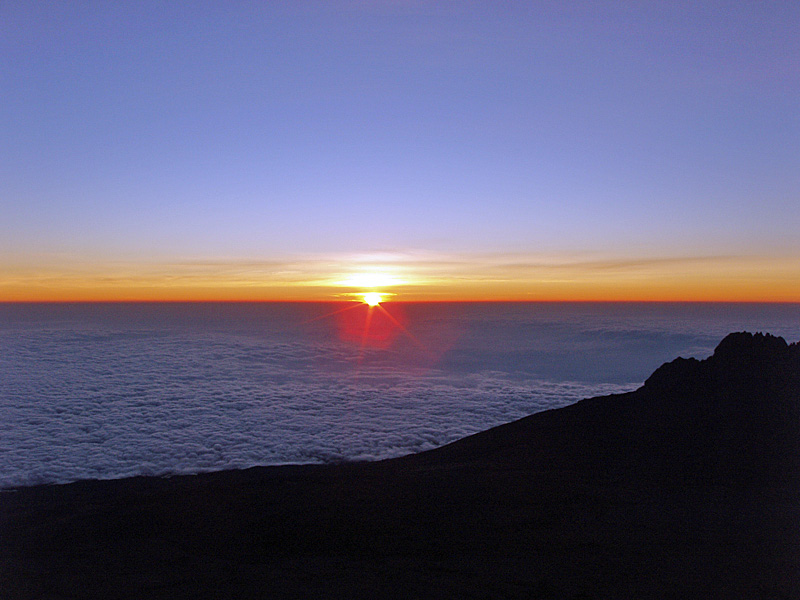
(427, 150)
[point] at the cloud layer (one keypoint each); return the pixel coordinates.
(114, 391)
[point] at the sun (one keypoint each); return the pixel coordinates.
(372, 298)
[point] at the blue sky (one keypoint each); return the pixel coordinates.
(155, 135)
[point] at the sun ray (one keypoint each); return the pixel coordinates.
(364, 336)
(335, 312)
(400, 326)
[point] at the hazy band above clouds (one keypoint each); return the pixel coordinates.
(411, 276)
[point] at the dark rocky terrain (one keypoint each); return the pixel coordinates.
(688, 487)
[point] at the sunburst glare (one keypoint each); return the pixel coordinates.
(373, 298)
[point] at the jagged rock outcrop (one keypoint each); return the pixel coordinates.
(734, 416)
(742, 403)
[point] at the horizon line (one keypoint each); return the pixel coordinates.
(431, 301)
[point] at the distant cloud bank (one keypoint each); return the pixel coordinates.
(105, 391)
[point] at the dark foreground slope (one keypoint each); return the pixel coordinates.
(687, 488)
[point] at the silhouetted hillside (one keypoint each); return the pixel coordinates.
(734, 415)
(688, 487)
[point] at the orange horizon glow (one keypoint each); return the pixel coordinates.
(463, 293)
(437, 279)
(234, 296)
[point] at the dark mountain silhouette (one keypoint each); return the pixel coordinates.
(688, 487)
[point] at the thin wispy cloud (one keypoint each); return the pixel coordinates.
(324, 277)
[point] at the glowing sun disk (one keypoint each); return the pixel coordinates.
(372, 298)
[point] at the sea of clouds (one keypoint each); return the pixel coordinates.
(116, 391)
